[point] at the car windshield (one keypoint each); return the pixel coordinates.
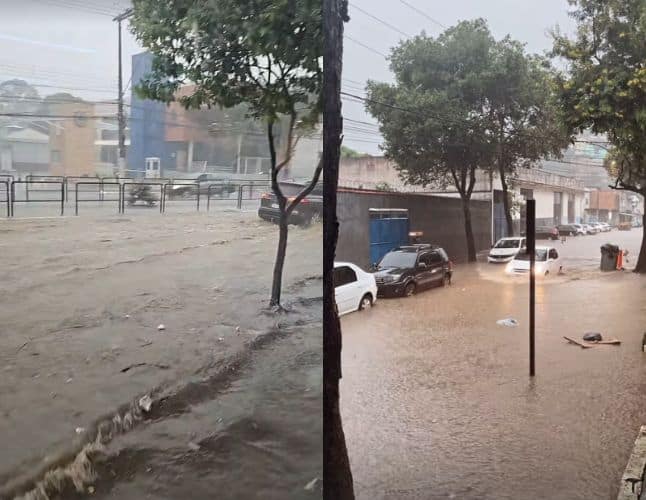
(541, 255)
(508, 244)
(397, 259)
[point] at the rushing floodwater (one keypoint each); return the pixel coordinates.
(260, 437)
(437, 402)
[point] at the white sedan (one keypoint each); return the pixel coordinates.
(548, 262)
(506, 249)
(354, 289)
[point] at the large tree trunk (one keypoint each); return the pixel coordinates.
(506, 203)
(277, 282)
(468, 228)
(337, 476)
(641, 260)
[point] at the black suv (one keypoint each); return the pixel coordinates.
(407, 269)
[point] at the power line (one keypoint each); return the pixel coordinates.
(367, 47)
(421, 12)
(87, 7)
(381, 21)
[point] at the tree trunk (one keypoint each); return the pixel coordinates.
(337, 476)
(641, 260)
(277, 282)
(506, 203)
(468, 228)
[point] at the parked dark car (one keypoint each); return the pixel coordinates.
(408, 269)
(186, 189)
(308, 211)
(569, 229)
(547, 233)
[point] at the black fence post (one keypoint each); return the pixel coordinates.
(76, 199)
(13, 195)
(62, 198)
(28, 179)
(161, 199)
(531, 248)
(240, 196)
(208, 197)
(198, 196)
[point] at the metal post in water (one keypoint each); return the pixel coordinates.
(531, 248)
(76, 199)
(62, 198)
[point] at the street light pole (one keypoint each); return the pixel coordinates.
(531, 249)
(121, 119)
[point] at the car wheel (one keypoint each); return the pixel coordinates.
(446, 280)
(409, 290)
(366, 302)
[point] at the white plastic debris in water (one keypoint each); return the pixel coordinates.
(146, 403)
(312, 484)
(193, 446)
(161, 327)
(511, 322)
(80, 430)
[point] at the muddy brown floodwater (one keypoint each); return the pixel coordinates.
(437, 401)
(236, 390)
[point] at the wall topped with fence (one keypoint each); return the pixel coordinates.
(36, 195)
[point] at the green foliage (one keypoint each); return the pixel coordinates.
(347, 152)
(604, 88)
(433, 119)
(525, 122)
(264, 53)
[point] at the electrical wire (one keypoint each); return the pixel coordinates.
(367, 47)
(381, 21)
(422, 13)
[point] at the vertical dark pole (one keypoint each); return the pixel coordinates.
(62, 198)
(28, 179)
(240, 197)
(13, 196)
(208, 198)
(531, 248)
(198, 195)
(76, 199)
(161, 198)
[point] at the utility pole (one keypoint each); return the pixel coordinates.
(121, 119)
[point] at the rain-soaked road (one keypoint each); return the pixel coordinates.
(255, 436)
(437, 402)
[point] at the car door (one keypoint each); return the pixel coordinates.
(436, 267)
(346, 289)
(423, 274)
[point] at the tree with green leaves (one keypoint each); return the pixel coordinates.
(604, 86)
(434, 118)
(266, 54)
(525, 124)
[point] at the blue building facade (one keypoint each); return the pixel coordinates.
(147, 121)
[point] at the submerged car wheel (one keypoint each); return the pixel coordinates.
(366, 302)
(409, 290)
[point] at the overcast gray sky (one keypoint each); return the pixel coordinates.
(71, 44)
(525, 20)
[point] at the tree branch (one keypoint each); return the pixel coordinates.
(315, 178)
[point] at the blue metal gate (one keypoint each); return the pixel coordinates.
(388, 229)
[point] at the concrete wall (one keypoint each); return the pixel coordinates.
(439, 218)
(544, 204)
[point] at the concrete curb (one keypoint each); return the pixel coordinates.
(632, 482)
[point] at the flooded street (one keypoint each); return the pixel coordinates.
(437, 401)
(257, 436)
(81, 339)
